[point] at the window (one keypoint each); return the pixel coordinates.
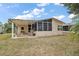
(45, 26)
(39, 26)
(49, 26)
(60, 27)
(34, 26)
(65, 28)
(22, 28)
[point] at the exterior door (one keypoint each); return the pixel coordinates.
(29, 28)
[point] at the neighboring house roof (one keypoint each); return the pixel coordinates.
(68, 24)
(21, 21)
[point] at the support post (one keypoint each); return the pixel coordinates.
(47, 26)
(37, 26)
(42, 26)
(12, 30)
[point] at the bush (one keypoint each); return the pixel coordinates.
(74, 36)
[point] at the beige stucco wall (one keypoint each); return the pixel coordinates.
(19, 28)
(55, 26)
(48, 33)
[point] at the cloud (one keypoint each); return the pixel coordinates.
(37, 11)
(59, 4)
(42, 4)
(38, 16)
(34, 13)
(27, 16)
(24, 12)
(59, 17)
(71, 16)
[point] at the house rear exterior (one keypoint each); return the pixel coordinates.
(36, 28)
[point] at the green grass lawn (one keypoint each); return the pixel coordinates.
(53, 45)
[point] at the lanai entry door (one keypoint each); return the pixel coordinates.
(29, 28)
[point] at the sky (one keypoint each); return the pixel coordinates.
(36, 11)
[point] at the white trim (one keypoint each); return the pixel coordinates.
(12, 30)
(47, 26)
(37, 26)
(42, 26)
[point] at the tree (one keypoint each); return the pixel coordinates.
(0, 23)
(74, 8)
(7, 27)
